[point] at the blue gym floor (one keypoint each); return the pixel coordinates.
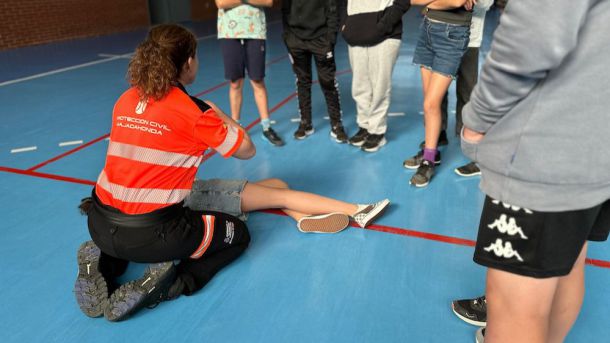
(392, 282)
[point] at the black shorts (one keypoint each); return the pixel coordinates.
(240, 55)
(537, 244)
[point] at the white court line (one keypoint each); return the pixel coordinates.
(272, 122)
(327, 117)
(421, 113)
(29, 148)
(71, 143)
(117, 56)
(294, 120)
(396, 114)
(78, 66)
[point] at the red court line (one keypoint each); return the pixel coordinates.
(38, 166)
(46, 176)
(433, 237)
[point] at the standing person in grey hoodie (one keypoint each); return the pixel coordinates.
(310, 30)
(373, 30)
(537, 124)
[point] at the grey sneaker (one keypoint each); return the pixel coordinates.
(480, 335)
(359, 138)
(304, 130)
(90, 288)
(338, 134)
(424, 173)
(272, 137)
(468, 170)
(324, 223)
(415, 161)
(472, 311)
(373, 143)
(368, 213)
(148, 291)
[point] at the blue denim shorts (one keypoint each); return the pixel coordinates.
(441, 46)
(217, 195)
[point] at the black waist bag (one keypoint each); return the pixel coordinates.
(361, 29)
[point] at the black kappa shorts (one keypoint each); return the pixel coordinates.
(537, 244)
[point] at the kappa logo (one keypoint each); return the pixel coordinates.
(329, 55)
(230, 232)
(509, 206)
(141, 107)
(503, 250)
(508, 227)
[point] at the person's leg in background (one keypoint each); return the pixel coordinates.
(324, 56)
(362, 91)
(382, 58)
(300, 57)
(255, 52)
(233, 56)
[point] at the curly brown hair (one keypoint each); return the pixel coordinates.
(159, 59)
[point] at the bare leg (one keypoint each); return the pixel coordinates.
(260, 97)
(518, 307)
(433, 96)
(236, 98)
(568, 300)
(274, 193)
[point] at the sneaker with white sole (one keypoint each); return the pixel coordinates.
(373, 143)
(472, 311)
(148, 291)
(468, 170)
(324, 223)
(366, 214)
(90, 288)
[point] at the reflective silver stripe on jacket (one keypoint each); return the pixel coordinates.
(229, 142)
(153, 156)
(141, 195)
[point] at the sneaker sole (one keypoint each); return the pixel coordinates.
(334, 137)
(456, 170)
(326, 223)
(307, 134)
(376, 213)
(436, 163)
(421, 185)
(358, 144)
(377, 147)
(90, 288)
(466, 319)
(133, 296)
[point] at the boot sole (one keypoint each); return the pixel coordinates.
(326, 223)
(137, 294)
(90, 288)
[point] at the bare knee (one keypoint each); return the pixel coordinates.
(237, 84)
(431, 106)
(258, 84)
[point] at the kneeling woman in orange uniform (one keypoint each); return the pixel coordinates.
(145, 206)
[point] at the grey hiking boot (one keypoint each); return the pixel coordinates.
(90, 288)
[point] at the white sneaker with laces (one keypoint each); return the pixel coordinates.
(366, 214)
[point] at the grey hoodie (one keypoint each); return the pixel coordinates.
(543, 102)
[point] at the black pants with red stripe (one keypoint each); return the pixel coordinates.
(322, 51)
(172, 233)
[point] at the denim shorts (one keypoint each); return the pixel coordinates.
(440, 46)
(217, 195)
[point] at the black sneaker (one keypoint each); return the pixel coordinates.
(304, 130)
(415, 161)
(272, 137)
(359, 138)
(338, 134)
(373, 143)
(148, 291)
(442, 140)
(480, 336)
(423, 175)
(468, 170)
(472, 311)
(90, 288)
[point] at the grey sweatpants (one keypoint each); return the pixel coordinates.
(372, 83)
